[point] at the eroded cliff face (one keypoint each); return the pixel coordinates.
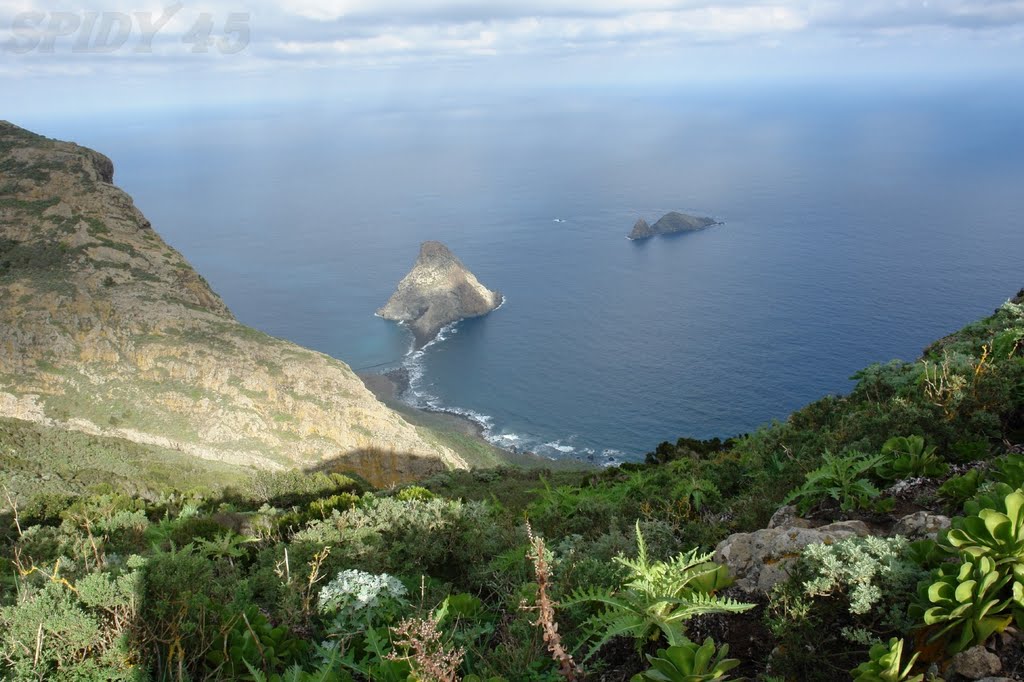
(437, 291)
(106, 329)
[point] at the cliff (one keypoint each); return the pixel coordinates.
(105, 329)
(671, 223)
(437, 291)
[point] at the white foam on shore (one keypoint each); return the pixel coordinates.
(418, 395)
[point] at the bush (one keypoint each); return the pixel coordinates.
(841, 478)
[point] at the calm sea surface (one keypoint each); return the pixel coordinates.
(860, 226)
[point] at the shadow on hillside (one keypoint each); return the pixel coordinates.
(382, 468)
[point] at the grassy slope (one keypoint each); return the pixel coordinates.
(44, 460)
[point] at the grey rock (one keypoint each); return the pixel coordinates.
(681, 222)
(671, 223)
(438, 291)
(921, 524)
(641, 230)
(787, 517)
(858, 528)
(976, 663)
(762, 559)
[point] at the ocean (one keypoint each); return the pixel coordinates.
(861, 223)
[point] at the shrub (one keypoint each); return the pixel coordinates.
(657, 598)
(60, 631)
(252, 643)
(873, 575)
(841, 478)
(356, 600)
(439, 537)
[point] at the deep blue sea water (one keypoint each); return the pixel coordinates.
(861, 224)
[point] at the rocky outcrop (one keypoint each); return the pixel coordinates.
(438, 291)
(106, 329)
(762, 559)
(641, 230)
(671, 223)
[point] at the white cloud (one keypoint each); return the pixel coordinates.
(326, 33)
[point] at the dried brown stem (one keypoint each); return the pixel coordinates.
(545, 609)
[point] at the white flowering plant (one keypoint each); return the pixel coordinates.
(356, 600)
(874, 575)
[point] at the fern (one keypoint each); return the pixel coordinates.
(657, 598)
(842, 478)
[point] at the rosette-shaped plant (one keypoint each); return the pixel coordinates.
(975, 597)
(885, 665)
(689, 662)
(994, 529)
(908, 456)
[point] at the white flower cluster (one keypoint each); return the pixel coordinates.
(353, 591)
(1015, 309)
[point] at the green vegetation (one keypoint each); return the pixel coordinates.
(885, 663)
(689, 662)
(657, 597)
(21, 258)
(39, 462)
(107, 574)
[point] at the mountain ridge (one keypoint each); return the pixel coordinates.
(106, 329)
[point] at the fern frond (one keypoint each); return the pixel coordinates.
(607, 626)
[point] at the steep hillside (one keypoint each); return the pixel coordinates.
(873, 536)
(106, 329)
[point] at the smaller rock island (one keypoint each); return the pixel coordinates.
(670, 223)
(437, 291)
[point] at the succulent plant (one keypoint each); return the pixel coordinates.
(995, 531)
(885, 665)
(974, 597)
(689, 662)
(908, 456)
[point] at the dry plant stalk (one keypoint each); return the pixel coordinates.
(429, 658)
(14, 508)
(545, 609)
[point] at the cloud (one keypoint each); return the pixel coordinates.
(896, 14)
(343, 33)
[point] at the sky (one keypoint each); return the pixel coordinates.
(92, 56)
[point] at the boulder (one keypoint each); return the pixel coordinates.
(976, 663)
(921, 524)
(762, 559)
